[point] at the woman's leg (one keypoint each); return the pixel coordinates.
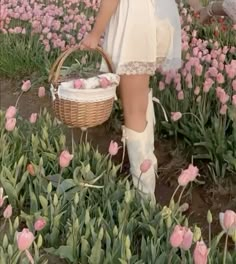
(138, 130)
(134, 97)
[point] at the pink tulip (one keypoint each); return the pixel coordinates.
(7, 212)
(24, 239)
(11, 112)
(223, 109)
(30, 169)
(113, 148)
(198, 70)
(234, 85)
(221, 66)
(229, 219)
(41, 92)
(187, 239)
(207, 85)
(104, 82)
(220, 78)
(180, 95)
(213, 71)
(222, 95)
(176, 237)
(26, 85)
(10, 124)
(33, 118)
(65, 159)
(222, 58)
(197, 90)
(188, 175)
(39, 224)
(181, 237)
(175, 116)
(234, 100)
(200, 253)
(2, 198)
(78, 84)
(161, 86)
(145, 165)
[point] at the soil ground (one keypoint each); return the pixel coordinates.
(171, 161)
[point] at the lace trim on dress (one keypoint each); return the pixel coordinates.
(137, 67)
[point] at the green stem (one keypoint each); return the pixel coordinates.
(173, 195)
(225, 249)
(182, 257)
(59, 180)
(181, 194)
(15, 257)
(17, 101)
(209, 235)
(171, 255)
(139, 178)
(72, 141)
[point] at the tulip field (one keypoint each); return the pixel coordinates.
(65, 198)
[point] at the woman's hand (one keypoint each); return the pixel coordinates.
(90, 41)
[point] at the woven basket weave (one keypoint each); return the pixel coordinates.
(91, 110)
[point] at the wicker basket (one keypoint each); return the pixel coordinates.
(91, 107)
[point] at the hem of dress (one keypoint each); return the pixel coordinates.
(139, 67)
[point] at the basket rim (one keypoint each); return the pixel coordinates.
(89, 91)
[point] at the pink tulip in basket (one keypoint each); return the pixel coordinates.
(82, 102)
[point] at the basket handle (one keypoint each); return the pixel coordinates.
(56, 68)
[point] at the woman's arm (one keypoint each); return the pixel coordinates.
(106, 10)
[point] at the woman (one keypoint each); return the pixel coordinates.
(139, 38)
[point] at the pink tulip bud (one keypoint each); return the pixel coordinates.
(145, 165)
(65, 159)
(41, 92)
(30, 169)
(39, 224)
(184, 207)
(104, 82)
(7, 212)
(175, 116)
(26, 86)
(33, 118)
(24, 239)
(2, 198)
(113, 148)
(200, 253)
(11, 112)
(78, 84)
(10, 124)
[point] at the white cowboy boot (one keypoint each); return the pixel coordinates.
(138, 151)
(151, 121)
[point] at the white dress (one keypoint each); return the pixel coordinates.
(137, 39)
(229, 7)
